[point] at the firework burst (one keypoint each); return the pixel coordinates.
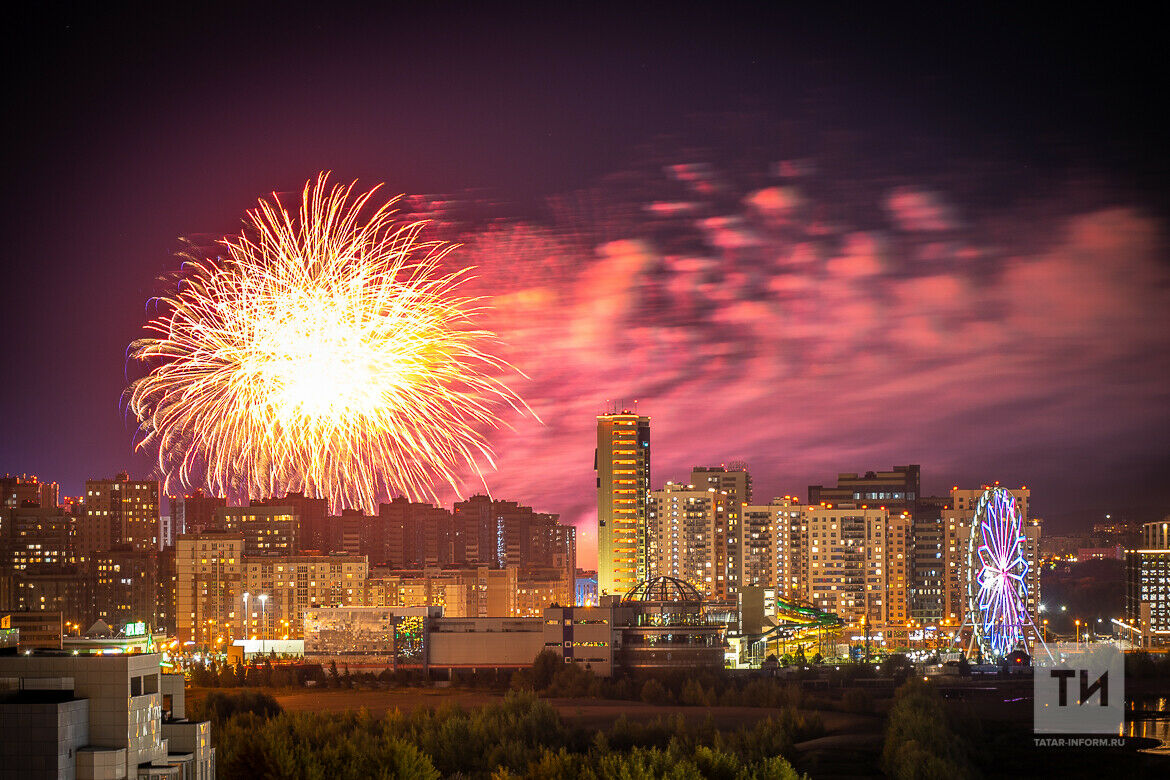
(323, 352)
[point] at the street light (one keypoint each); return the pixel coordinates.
(1078, 622)
(263, 619)
(246, 613)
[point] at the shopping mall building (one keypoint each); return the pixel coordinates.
(659, 624)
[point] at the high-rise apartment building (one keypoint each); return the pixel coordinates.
(622, 463)
(734, 480)
(900, 490)
(927, 563)
(956, 538)
(681, 534)
(209, 574)
(33, 537)
(858, 563)
(118, 511)
(1147, 587)
(771, 540)
(355, 533)
(497, 533)
(124, 587)
(194, 513)
(415, 534)
(16, 492)
(267, 530)
(734, 485)
(896, 489)
(290, 585)
(314, 532)
(64, 590)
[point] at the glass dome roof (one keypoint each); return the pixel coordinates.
(663, 589)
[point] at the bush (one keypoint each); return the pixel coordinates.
(653, 692)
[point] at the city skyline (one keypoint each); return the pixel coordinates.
(584, 389)
(810, 273)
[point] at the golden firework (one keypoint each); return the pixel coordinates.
(323, 352)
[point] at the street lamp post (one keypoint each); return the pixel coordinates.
(1078, 624)
(263, 619)
(247, 614)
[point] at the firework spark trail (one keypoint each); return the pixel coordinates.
(326, 353)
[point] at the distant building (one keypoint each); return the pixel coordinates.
(586, 589)
(66, 591)
(622, 463)
(209, 588)
(900, 490)
(1147, 587)
(293, 585)
(415, 535)
(36, 630)
(118, 511)
(686, 536)
(859, 563)
(957, 524)
(124, 586)
(313, 514)
(267, 530)
(36, 538)
(193, 513)
(26, 491)
(1115, 553)
(470, 592)
(735, 484)
(897, 489)
(772, 550)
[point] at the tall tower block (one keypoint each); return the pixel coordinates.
(622, 462)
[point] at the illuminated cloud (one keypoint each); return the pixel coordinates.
(919, 211)
(788, 338)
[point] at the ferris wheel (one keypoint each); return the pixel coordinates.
(997, 573)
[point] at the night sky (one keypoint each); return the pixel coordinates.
(812, 242)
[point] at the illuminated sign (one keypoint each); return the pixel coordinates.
(134, 629)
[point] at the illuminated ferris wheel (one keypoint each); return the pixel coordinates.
(997, 569)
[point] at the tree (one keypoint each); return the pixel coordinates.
(693, 694)
(226, 677)
(653, 692)
(544, 667)
(334, 675)
(919, 742)
(283, 677)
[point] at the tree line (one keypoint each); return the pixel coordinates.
(522, 737)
